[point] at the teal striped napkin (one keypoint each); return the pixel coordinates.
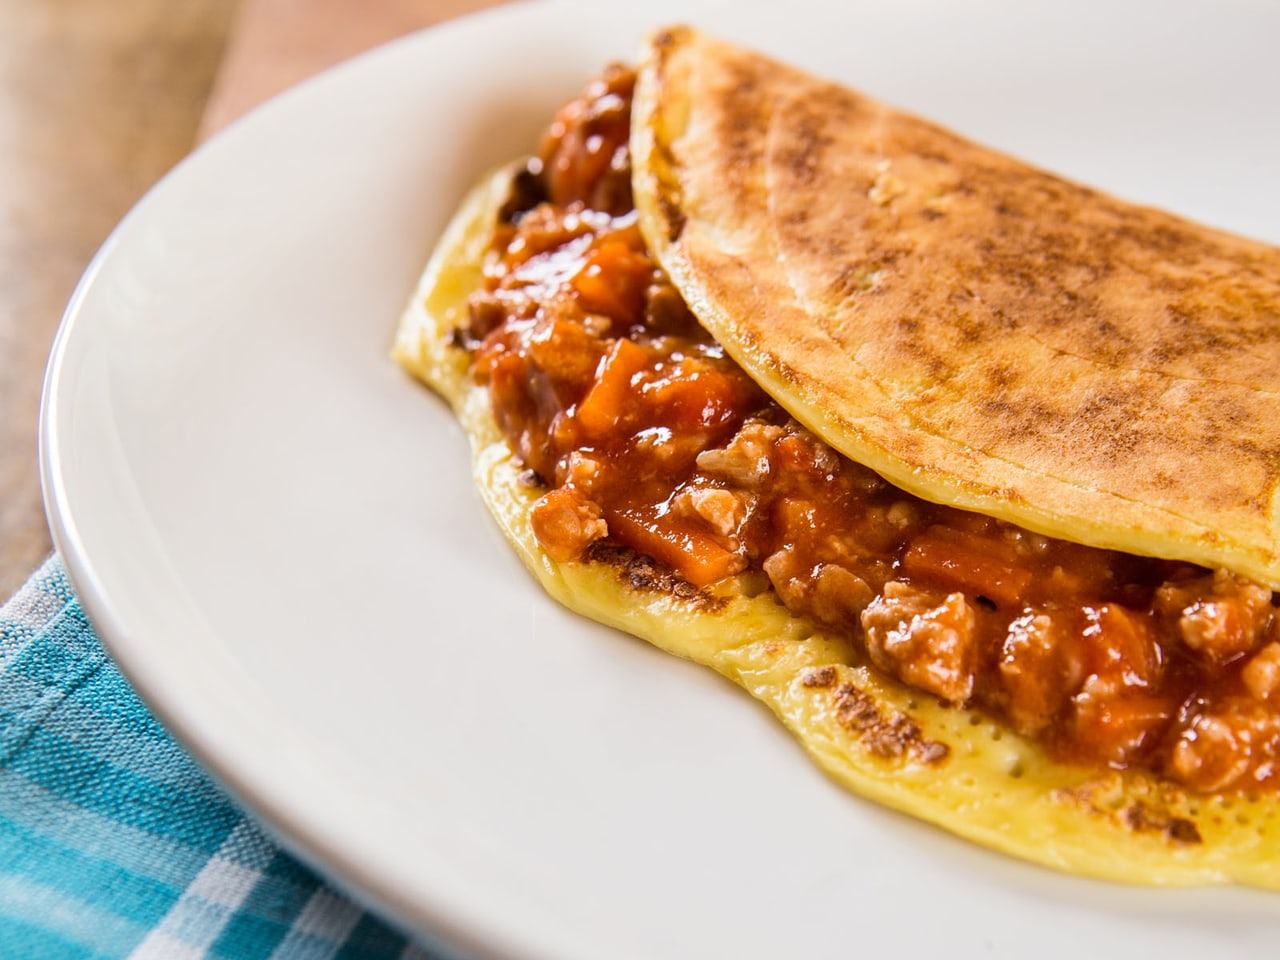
(114, 843)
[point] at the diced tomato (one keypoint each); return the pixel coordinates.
(613, 282)
(689, 551)
(693, 395)
(952, 560)
(606, 403)
(579, 149)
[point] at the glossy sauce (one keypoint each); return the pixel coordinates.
(644, 432)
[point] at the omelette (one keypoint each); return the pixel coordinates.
(967, 471)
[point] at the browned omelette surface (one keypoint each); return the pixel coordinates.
(947, 765)
(978, 331)
(503, 327)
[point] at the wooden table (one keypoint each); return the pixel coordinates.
(97, 101)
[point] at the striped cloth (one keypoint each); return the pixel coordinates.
(113, 843)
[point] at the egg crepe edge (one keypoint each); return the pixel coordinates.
(992, 787)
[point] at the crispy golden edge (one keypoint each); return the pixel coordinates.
(903, 749)
(1001, 396)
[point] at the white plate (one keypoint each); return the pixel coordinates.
(275, 531)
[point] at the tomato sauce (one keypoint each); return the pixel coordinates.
(644, 433)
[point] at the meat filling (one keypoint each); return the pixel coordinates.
(645, 433)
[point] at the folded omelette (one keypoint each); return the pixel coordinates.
(967, 471)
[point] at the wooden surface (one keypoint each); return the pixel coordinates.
(97, 100)
(276, 43)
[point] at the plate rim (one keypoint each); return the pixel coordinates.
(81, 568)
